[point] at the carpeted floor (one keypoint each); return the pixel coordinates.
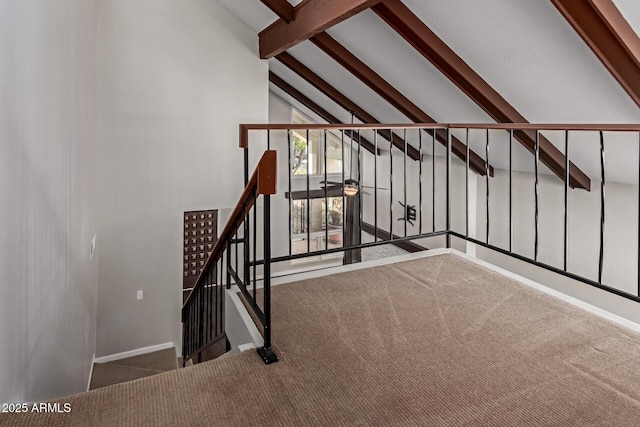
(435, 341)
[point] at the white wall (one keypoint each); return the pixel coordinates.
(48, 181)
(389, 182)
(174, 81)
(621, 225)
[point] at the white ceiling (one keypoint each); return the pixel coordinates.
(523, 48)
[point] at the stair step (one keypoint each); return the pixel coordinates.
(162, 360)
(105, 374)
(133, 368)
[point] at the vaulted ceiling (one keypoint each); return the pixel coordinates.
(476, 62)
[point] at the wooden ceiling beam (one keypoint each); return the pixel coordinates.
(610, 37)
(393, 96)
(310, 18)
(282, 8)
(324, 114)
(336, 96)
(435, 50)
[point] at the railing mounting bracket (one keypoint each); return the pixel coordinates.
(268, 356)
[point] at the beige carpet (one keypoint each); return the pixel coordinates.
(437, 341)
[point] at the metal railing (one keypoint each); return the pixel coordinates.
(203, 311)
(425, 188)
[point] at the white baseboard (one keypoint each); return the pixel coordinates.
(93, 361)
(304, 274)
(131, 353)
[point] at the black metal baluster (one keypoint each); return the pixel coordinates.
(391, 187)
(326, 196)
(375, 187)
(201, 321)
(190, 332)
(196, 324)
(221, 291)
(245, 246)
(308, 198)
(221, 296)
(228, 268)
(235, 235)
(344, 204)
(510, 190)
(184, 339)
(246, 227)
(207, 313)
(207, 329)
(212, 303)
(186, 333)
(404, 160)
(216, 271)
(537, 159)
(290, 195)
(192, 321)
(602, 208)
(433, 179)
(420, 179)
(566, 200)
(486, 176)
(448, 219)
(466, 175)
(205, 310)
(255, 242)
(268, 139)
(359, 195)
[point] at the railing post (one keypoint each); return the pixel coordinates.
(267, 354)
(246, 165)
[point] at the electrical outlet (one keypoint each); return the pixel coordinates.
(139, 295)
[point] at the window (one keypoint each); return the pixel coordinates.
(317, 219)
(308, 150)
(312, 220)
(320, 226)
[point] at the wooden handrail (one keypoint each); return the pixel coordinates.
(546, 126)
(263, 182)
(245, 128)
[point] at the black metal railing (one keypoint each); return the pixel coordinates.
(203, 311)
(466, 201)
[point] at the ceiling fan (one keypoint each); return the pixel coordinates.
(350, 186)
